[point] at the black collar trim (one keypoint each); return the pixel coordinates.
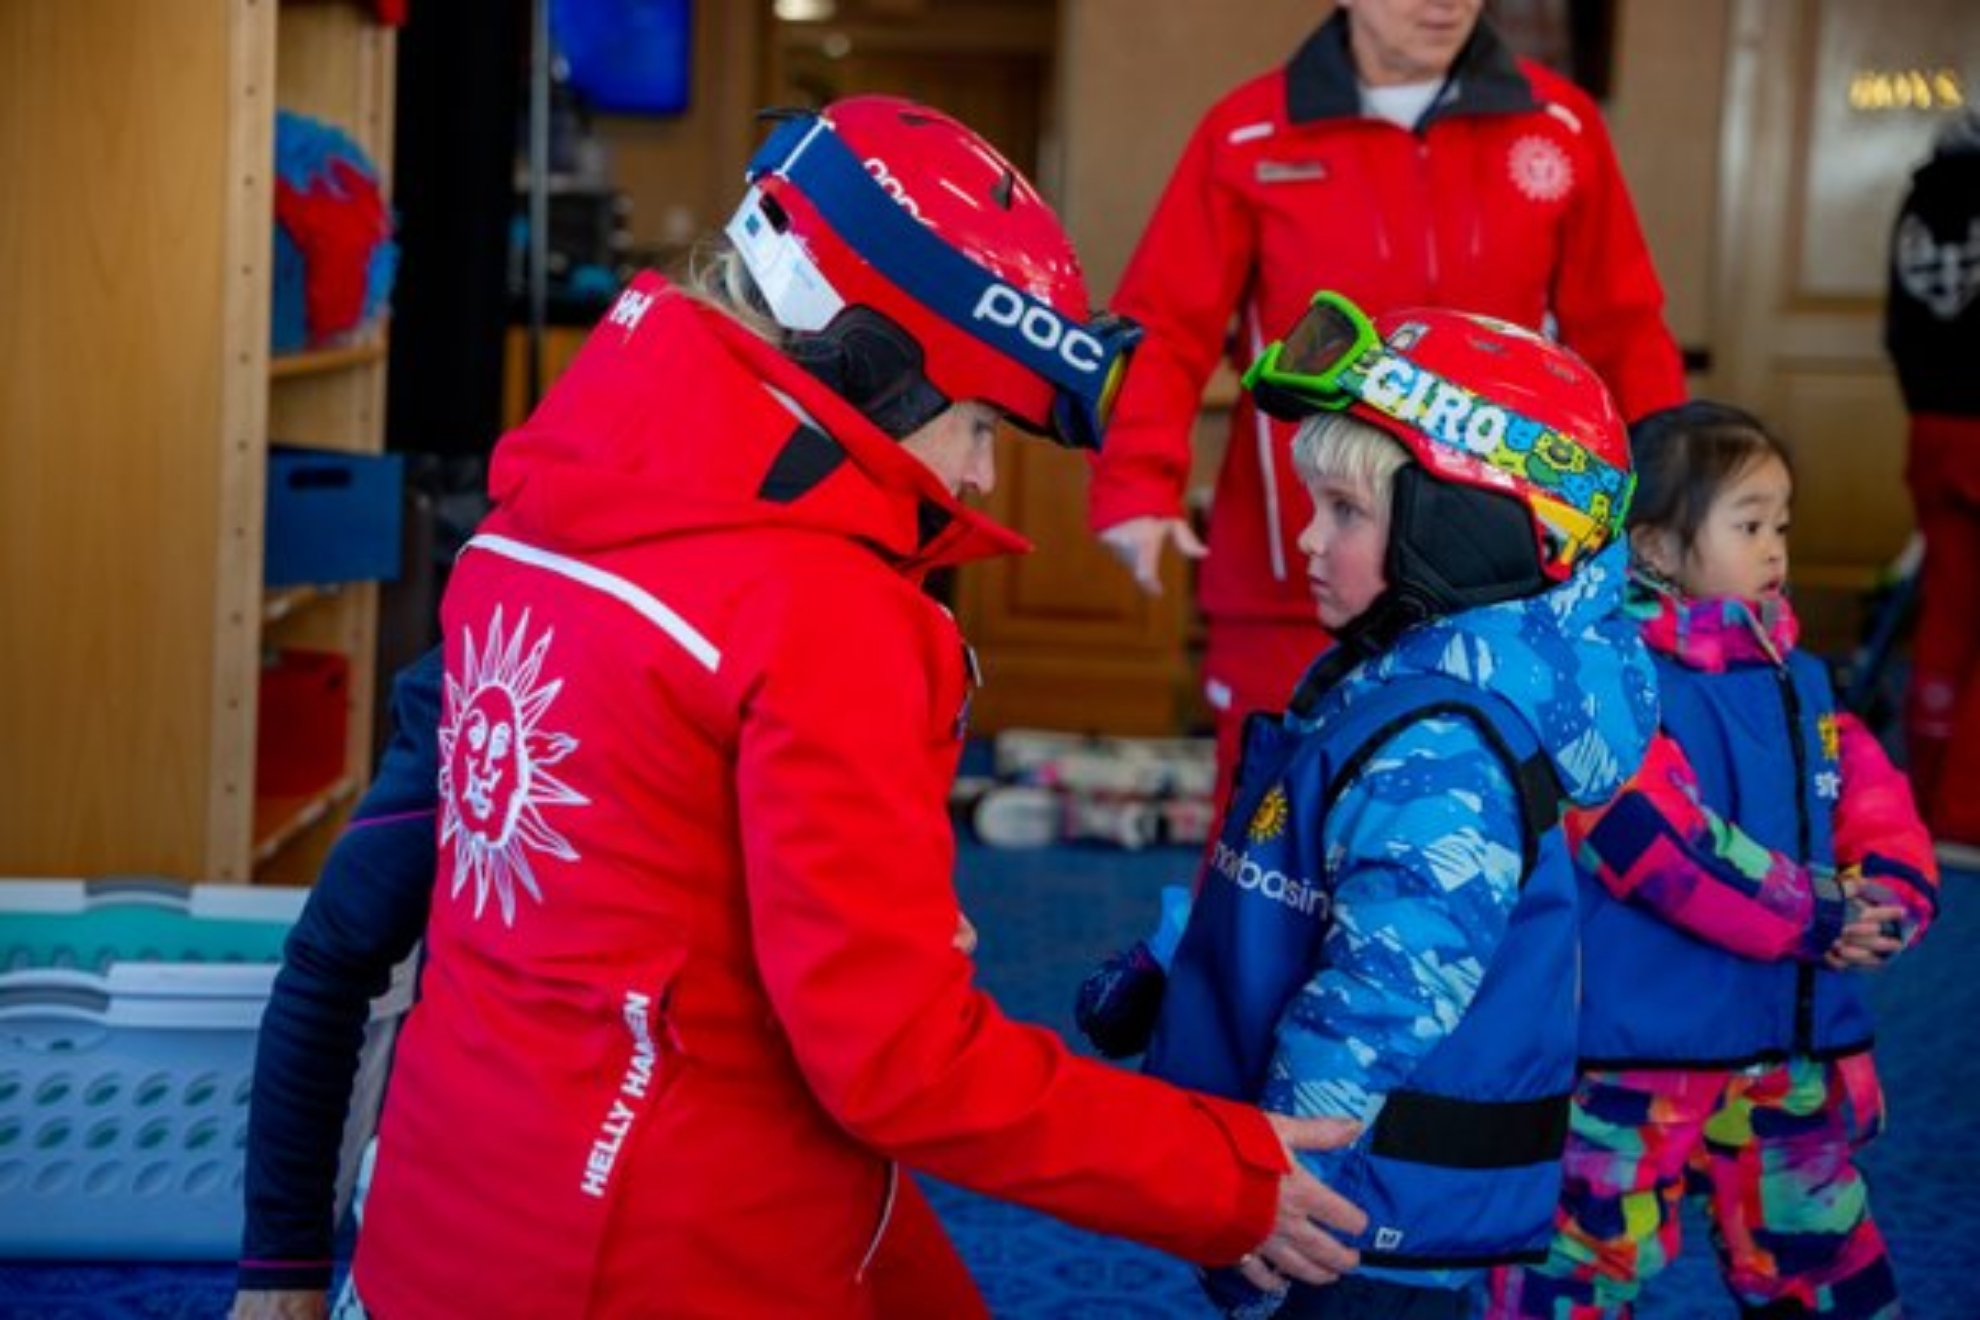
(931, 520)
(1485, 80)
(806, 459)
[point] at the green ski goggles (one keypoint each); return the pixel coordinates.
(1302, 374)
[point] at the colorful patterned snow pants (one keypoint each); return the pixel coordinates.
(1771, 1153)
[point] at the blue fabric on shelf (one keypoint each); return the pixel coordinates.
(1046, 916)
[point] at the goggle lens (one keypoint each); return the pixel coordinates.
(1079, 418)
(1300, 375)
(1321, 339)
(1110, 390)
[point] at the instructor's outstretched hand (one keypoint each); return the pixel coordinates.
(1301, 1247)
(1138, 543)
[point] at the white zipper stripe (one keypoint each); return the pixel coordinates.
(1268, 473)
(886, 1219)
(645, 602)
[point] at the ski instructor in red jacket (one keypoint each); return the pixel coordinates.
(693, 997)
(1403, 157)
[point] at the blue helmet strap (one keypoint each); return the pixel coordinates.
(1078, 359)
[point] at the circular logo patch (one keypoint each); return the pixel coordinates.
(1540, 169)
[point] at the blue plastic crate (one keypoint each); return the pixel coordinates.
(332, 516)
(128, 1015)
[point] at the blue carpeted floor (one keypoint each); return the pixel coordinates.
(1045, 916)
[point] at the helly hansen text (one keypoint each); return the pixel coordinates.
(632, 1087)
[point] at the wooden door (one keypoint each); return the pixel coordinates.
(1829, 105)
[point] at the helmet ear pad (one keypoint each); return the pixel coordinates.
(871, 362)
(1454, 547)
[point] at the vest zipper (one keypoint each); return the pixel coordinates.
(1804, 974)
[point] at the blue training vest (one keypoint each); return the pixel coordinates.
(1762, 741)
(1462, 1168)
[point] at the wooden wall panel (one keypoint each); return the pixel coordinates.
(1133, 80)
(1666, 131)
(1846, 423)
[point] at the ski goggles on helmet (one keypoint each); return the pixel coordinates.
(1081, 363)
(1303, 373)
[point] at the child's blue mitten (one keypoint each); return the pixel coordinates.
(1120, 999)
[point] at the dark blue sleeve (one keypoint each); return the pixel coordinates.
(364, 916)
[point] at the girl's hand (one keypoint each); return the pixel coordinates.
(965, 939)
(1871, 936)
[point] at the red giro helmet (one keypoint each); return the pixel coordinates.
(1477, 401)
(881, 203)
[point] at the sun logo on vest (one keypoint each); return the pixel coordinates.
(1829, 729)
(495, 766)
(1269, 821)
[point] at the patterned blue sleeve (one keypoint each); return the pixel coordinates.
(1424, 849)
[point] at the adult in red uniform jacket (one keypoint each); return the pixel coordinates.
(1932, 331)
(692, 994)
(1493, 189)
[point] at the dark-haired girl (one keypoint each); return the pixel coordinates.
(1764, 856)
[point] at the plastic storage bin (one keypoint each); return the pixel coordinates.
(332, 516)
(304, 709)
(128, 1015)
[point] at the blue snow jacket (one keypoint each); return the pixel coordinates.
(1385, 931)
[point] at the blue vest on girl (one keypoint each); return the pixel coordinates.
(1762, 741)
(1463, 1168)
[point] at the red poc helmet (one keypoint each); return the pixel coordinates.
(881, 204)
(1477, 401)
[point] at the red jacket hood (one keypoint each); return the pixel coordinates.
(675, 418)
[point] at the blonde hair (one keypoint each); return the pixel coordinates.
(714, 275)
(1335, 446)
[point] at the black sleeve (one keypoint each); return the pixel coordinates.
(364, 916)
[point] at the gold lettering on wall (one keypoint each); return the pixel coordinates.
(1872, 91)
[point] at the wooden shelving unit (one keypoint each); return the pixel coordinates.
(324, 361)
(281, 822)
(139, 398)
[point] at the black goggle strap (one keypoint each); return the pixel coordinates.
(1083, 362)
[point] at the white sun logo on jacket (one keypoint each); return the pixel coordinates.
(495, 760)
(1540, 169)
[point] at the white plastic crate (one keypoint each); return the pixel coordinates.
(128, 1015)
